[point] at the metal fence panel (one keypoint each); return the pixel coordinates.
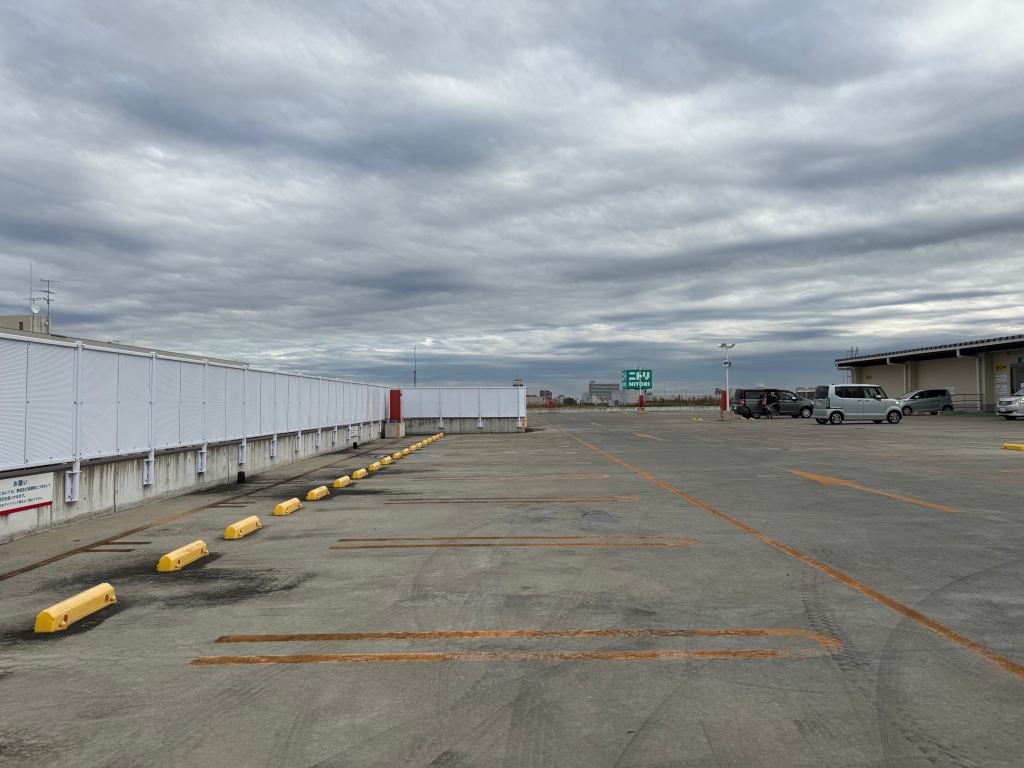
(253, 403)
(191, 403)
(167, 409)
(97, 416)
(216, 423)
(234, 393)
(132, 403)
(13, 362)
(51, 404)
(268, 413)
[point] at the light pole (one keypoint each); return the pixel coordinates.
(414, 366)
(727, 364)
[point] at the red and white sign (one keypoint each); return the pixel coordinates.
(18, 494)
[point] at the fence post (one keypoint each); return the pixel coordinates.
(74, 475)
(245, 401)
(273, 437)
(149, 465)
(201, 458)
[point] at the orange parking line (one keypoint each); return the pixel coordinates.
(500, 500)
(516, 542)
(378, 658)
(826, 480)
(1006, 664)
(825, 641)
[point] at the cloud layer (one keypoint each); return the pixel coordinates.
(550, 190)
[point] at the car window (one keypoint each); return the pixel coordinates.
(873, 392)
(848, 392)
(820, 393)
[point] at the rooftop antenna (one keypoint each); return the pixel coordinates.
(48, 293)
(33, 301)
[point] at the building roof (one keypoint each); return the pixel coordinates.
(941, 350)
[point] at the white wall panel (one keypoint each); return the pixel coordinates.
(191, 403)
(267, 408)
(13, 362)
(51, 404)
(253, 403)
(129, 403)
(166, 411)
(234, 389)
(463, 402)
(132, 403)
(216, 421)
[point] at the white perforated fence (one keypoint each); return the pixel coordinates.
(64, 402)
(464, 403)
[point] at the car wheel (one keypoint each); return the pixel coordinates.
(755, 415)
(947, 408)
(825, 421)
(907, 410)
(894, 417)
(835, 417)
(1009, 418)
(805, 412)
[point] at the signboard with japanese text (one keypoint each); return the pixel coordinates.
(18, 494)
(638, 378)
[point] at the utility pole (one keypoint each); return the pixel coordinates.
(414, 366)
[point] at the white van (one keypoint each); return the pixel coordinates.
(835, 403)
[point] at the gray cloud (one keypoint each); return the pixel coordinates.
(549, 190)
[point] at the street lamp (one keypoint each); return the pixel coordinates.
(727, 364)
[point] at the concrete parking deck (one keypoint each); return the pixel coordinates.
(611, 589)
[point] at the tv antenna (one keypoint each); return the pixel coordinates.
(48, 294)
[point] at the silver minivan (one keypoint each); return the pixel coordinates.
(835, 403)
(925, 401)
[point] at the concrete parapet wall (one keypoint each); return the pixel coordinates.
(107, 486)
(462, 426)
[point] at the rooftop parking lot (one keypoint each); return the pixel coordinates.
(608, 589)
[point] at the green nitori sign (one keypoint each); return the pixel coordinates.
(638, 378)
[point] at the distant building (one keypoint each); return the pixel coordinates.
(602, 393)
(30, 323)
(536, 401)
(546, 393)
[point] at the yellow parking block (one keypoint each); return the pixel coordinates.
(287, 507)
(396, 455)
(375, 467)
(405, 452)
(60, 616)
(178, 558)
(342, 481)
(318, 493)
(359, 474)
(1013, 446)
(242, 528)
(386, 461)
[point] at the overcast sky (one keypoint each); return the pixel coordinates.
(550, 190)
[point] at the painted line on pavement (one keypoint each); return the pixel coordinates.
(993, 657)
(826, 480)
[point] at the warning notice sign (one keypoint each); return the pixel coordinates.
(18, 494)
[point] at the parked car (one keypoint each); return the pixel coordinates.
(925, 401)
(835, 403)
(747, 403)
(1010, 407)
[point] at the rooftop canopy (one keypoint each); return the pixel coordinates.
(942, 350)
